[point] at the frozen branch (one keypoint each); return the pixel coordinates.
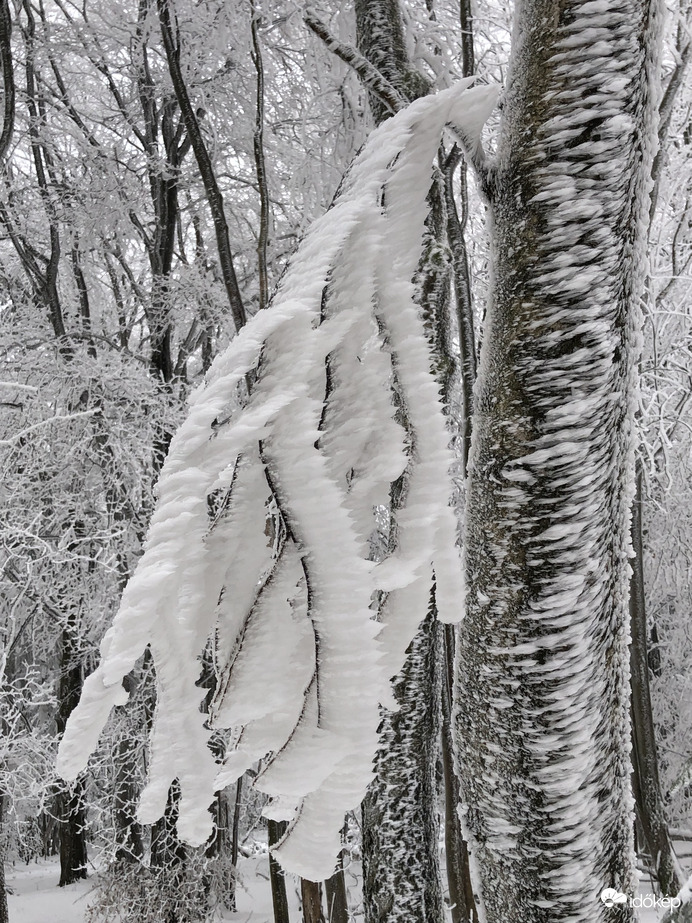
(368, 73)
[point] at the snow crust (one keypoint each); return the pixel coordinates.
(259, 543)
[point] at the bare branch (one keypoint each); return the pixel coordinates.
(260, 167)
(204, 164)
(665, 113)
(7, 79)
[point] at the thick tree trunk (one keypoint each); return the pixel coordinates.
(542, 681)
(311, 898)
(167, 851)
(72, 829)
(400, 822)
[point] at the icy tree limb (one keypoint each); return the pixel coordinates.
(325, 471)
(368, 73)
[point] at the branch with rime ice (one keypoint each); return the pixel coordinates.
(260, 542)
(370, 76)
(378, 84)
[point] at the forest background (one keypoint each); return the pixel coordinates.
(151, 199)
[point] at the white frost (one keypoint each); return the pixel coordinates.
(259, 547)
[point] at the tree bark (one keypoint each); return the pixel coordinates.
(206, 169)
(71, 809)
(401, 880)
(542, 679)
(9, 92)
(311, 898)
(647, 785)
(401, 862)
(275, 830)
(335, 891)
(128, 831)
(4, 909)
(461, 898)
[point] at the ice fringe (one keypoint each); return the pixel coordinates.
(300, 667)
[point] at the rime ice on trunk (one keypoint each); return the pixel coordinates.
(4, 911)
(542, 680)
(401, 856)
(401, 878)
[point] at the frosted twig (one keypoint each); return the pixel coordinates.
(60, 418)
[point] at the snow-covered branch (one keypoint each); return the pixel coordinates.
(315, 448)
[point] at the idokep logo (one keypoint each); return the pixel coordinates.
(611, 897)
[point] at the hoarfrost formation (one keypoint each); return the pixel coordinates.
(300, 667)
(542, 672)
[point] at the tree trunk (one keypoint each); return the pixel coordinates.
(647, 786)
(337, 899)
(70, 807)
(401, 880)
(275, 830)
(167, 851)
(311, 897)
(72, 824)
(542, 685)
(235, 836)
(401, 863)
(4, 910)
(461, 898)
(128, 831)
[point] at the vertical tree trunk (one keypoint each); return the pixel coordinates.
(542, 682)
(401, 879)
(647, 786)
(461, 897)
(128, 831)
(235, 836)
(71, 811)
(311, 897)
(335, 891)
(401, 863)
(275, 830)
(4, 910)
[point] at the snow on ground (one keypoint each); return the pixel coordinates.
(35, 897)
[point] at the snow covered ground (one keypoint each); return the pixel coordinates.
(35, 897)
